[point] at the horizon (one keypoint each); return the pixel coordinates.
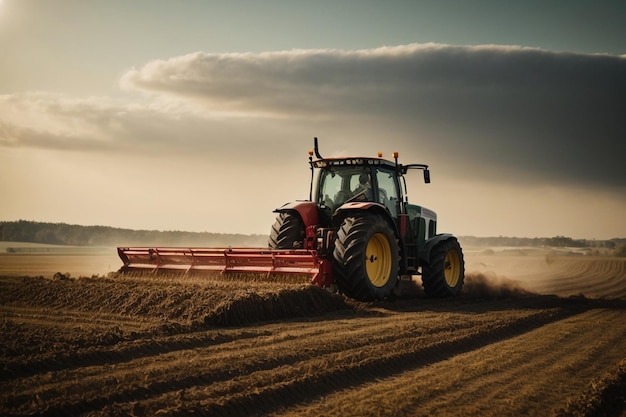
(263, 234)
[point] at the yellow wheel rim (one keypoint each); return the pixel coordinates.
(378, 259)
(452, 268)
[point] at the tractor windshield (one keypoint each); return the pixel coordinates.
(341, 183)
(338, 184)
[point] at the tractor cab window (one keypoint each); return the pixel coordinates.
(338, 184)
(330, 187)
(361, 186)
(388, 190)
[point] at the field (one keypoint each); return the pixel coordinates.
(536, 332)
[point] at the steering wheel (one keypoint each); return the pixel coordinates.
(357, 195)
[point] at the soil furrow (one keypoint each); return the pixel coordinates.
(353, 372)
(515, 376)
(122, 347)
(315, 377)
(139, 347)
(122, 352)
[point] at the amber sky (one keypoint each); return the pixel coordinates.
(197, 115)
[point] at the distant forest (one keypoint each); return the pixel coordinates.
(76, 235)
(556, 241)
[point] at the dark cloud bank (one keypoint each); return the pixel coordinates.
(553, 114)
(521, 114)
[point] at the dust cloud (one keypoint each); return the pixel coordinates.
(490, 285)
(483, 285)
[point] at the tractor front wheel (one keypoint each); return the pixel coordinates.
(287, 232)
(366, 258)
(444, 273)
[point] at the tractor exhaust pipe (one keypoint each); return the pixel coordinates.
(316, 149)
(317, 154)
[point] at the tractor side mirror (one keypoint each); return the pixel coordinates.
(427, 176)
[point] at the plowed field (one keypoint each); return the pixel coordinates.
(531, 335)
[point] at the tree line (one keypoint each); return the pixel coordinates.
(555, 241)
(76, 235)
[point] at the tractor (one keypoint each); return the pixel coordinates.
(359, 220)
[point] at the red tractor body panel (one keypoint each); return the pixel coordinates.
(306, 209)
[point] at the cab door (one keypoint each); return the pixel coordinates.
(388, 191)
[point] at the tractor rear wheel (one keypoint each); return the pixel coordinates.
(366, 258)
(444, 274)
(287, 232)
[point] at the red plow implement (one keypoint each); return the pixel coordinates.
(228, 260)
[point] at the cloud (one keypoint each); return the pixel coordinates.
(531, 112)
(427, 75)
(53, 121)
(100, 124)
(504, 113)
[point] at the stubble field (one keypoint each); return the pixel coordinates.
(533, 334)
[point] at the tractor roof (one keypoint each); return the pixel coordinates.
(352, 161)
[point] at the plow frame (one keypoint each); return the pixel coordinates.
(229, 260)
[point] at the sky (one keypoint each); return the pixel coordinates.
(198, 115)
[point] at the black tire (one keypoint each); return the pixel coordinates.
(287, 232)
(444, 273)
(366, 258)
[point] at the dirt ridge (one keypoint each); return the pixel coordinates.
(606, 396)
(179, 346)
(361, 368)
